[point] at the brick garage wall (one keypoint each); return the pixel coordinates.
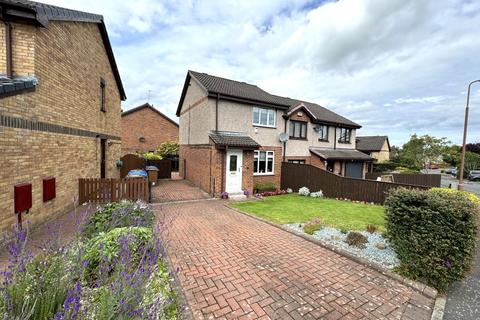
(275, 178)
(203, 164)
(148, 124)
(69, 59)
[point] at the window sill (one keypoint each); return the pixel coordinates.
(296, 138)
(263, 174)
(323, 140)
(344, 142)
(264, 126)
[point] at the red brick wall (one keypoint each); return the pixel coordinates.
(247, 176)
(202, 165)
(148, 124)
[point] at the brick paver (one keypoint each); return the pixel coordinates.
(176, 190)
(232, 266)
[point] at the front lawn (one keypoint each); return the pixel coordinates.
(293, 208)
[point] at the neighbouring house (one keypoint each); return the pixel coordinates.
(60, 95)
(144, 128)
(377, 147)
(233, 135)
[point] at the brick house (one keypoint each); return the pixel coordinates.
(144, 128)
(60, 95)
(377, 147)
(231, 133)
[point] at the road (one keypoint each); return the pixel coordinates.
(447, 180)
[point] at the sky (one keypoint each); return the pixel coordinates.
(396, 67)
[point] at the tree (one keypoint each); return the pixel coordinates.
(168, 149)
(451, 155)
(473, 147)
(424, 150)
(472, 161)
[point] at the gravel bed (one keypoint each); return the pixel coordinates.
(332, 236)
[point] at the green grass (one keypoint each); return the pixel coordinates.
(293, 208)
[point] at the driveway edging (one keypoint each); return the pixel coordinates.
(417, 286)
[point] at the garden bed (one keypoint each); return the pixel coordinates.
(334, 237)
(112, 270)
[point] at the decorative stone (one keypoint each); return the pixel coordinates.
(381, 246)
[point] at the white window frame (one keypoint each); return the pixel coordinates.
(326, 127)
(268, 155)
(342, 138)
(270, 112)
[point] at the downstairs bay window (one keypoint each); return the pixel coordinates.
(263, 162)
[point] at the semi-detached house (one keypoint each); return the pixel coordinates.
(234, 135)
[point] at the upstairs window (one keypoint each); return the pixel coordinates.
(298, 129)
(297, 161)
(263, 117)
(102, 95)
(322, 132)
(345, 135)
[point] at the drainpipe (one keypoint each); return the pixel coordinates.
(334, 138)
(8, 48)
(216, 112)
(285, 117)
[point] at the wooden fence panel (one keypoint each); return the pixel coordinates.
(420, 179)
(164, 167)
(295, 176)
(111, 190)
(131, 162)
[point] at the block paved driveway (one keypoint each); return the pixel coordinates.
(168, 190)
(232, 266)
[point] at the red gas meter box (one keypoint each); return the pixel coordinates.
(23, 197)
(49, 189)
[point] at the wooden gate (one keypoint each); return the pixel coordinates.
(130, 162)
(112, 190)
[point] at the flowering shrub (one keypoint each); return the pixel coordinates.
(272, 193)
(105, 247)
(304, 191)
(114, 273)
(224, 195)
(433, 234)
(289, 190)
(117, 215)
(318, 194)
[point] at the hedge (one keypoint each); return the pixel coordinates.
(433, 234)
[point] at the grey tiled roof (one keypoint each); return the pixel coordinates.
(41, 14)
(236, 89)
(50, 12)
(370, 143)
(12, 86)
(340, 154)
(233, 139)
(226, 87)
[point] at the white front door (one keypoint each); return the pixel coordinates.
(234, 171)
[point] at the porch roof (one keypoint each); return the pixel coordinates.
(340, 154)
(233, 139)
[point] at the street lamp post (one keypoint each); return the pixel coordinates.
(462, 161)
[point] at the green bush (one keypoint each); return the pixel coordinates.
(433, 234)
(117, 215)
(150, 156)
(312, 226)
(267, 186)
(168, 149)
(356, 239)
(106, 247)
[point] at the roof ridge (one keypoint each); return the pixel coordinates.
(210, 75)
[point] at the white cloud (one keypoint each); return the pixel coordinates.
(397, 67)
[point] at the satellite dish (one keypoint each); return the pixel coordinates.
(284, 137)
